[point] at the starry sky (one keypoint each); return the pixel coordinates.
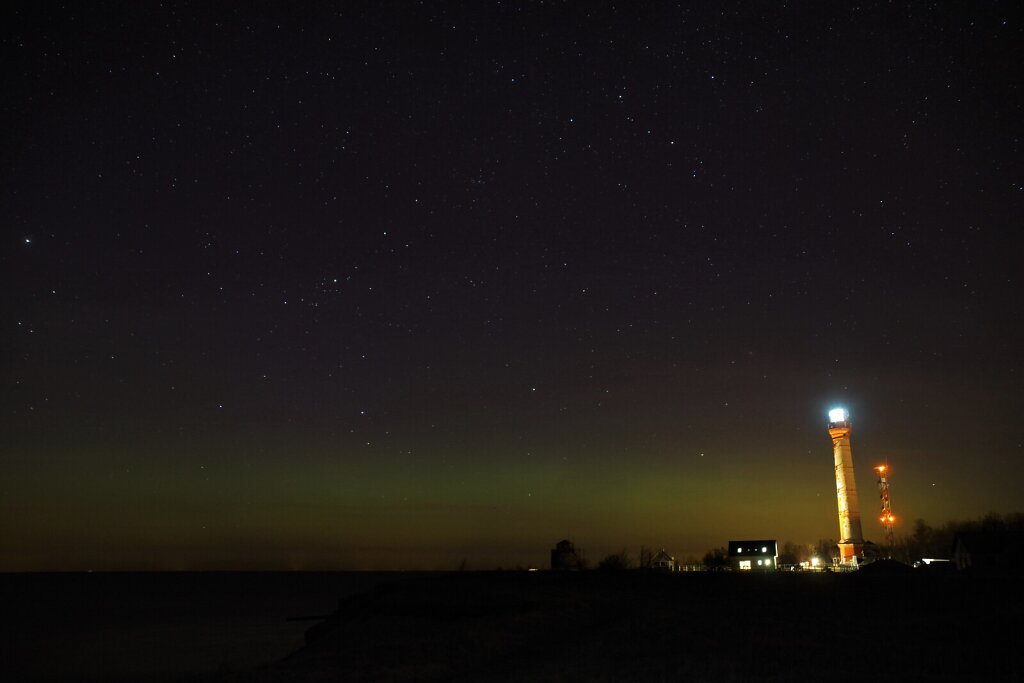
(397, 285)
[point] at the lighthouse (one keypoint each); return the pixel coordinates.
(851, 539)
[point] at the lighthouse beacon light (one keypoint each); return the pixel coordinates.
(837, 415)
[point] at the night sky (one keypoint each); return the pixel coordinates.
(399, 285)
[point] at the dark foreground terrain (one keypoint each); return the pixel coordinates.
(512, 626)
(160, 627)
(890, 626)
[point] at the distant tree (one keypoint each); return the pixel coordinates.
(826, 549)
(582, 561)
(616, 561)
(717, 559)
(929, 541)
(923, 534)
(920, 543)
(691, 561)
(793, 553)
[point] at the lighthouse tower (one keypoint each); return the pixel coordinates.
(851, 539)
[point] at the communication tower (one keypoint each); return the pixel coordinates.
(887, 517)
(851, 538)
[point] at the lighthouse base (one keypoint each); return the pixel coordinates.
(851, 552)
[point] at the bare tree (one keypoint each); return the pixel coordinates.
(794, 553)
(616, 561)
(826, 549)
(717, 559)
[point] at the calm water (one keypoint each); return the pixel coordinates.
(161, 626)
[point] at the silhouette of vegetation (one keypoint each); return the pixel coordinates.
(928, 541)
(691, 561)
(582, 561)
(794, 553)
(717, 559)
(826, 549)
(616, 561)
(924, 541)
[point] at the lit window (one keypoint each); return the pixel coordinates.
(739, 550)
(745, 564)
(759, 563)
(764, 549)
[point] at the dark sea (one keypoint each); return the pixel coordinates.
(161, 626)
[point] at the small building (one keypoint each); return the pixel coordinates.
(663, 562)
(564, 557)
(753, 555)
